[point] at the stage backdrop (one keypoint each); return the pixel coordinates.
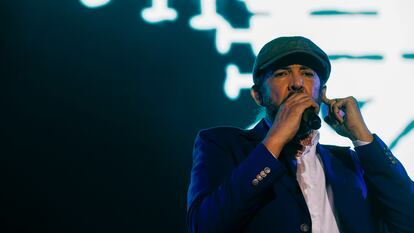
(102, 99)
(370, 43)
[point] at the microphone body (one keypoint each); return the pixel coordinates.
(310, 121)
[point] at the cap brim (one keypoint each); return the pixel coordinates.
(301, 57)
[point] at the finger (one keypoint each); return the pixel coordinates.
(337, 111)
(330, 106)
(291, 100)
(302, 101)
(296, 96)
(333, 123)
(307, 103)
(325, 100)
(338, 128)
(330, 118)
(330, 121)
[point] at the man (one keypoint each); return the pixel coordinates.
(277, 178)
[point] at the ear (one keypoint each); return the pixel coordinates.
(323, 91)
(256, 96)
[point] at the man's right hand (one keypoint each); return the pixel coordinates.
(287, 122)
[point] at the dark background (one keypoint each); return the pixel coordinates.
(99, 111)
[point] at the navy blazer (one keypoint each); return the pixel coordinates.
(370, 188)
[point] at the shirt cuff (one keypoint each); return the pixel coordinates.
(360, 143)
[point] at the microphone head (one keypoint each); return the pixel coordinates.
(315, 123)
(311, 119)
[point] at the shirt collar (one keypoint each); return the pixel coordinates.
(310, 147)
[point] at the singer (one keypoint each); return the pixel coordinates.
(276, 177)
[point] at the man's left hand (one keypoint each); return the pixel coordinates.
(346, 119)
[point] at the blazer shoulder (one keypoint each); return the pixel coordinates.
(221, 132)
(338, 149)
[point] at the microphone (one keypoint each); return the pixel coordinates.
(311, 119)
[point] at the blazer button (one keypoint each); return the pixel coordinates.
(255, 182)
(263, 174)
(304, 227)
(267, 170)
(258, 177)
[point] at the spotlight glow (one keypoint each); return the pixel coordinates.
(158, 12)
(94, 3)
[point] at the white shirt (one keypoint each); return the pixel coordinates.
(311, 179)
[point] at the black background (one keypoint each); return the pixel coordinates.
(99, 111)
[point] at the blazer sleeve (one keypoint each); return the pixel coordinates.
(389, 185)
(222, 195)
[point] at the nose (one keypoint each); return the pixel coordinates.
(296, 82)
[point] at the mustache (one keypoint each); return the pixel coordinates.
(292, 93)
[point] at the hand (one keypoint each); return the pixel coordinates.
(346, 119)
(287, 121)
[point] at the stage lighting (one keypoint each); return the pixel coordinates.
(94, 3)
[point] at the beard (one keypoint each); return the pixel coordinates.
(294, 146)
(272, 109)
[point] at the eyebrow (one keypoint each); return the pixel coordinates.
(302, 67)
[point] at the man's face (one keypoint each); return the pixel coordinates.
(281, 83)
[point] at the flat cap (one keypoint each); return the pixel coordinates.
(284, 51)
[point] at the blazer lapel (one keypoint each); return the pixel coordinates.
(258, 133)
(292, 185)
(347, 191)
